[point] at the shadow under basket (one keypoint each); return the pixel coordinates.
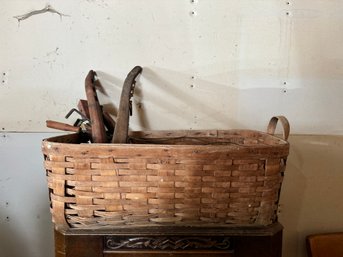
(188, 178)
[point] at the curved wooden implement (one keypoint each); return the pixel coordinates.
(95, 112)
(62, 126)
(120, 134)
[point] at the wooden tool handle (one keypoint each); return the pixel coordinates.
(122, 126)
(95, 113)
(83, 107)
(61, 126)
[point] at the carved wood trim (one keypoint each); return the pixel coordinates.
(168, 243)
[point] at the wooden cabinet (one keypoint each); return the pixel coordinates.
(171, 242)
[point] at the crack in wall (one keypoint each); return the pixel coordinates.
(47, 8)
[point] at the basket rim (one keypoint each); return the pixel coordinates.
(64, 144)
(170, 133)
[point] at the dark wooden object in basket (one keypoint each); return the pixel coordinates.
(121, 130)
(171, 241)
(95, 112)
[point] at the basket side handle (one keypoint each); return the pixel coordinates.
(273, 123)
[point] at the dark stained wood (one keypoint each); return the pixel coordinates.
(84, 246)
(83, 107)
(95, 112)
(169, 254)
(266, 246)
(122, 127)
(59, 244)
(171, 241)
(266, 231)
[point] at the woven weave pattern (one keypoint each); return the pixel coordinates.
(155, 185)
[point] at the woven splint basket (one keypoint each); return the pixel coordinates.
(190, 178)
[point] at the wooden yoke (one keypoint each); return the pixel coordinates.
(122, 126)
(95, 112)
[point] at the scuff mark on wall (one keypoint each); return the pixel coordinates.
(50, 58)
(47, 8)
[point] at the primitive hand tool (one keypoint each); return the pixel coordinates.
(62, 126)
(109, 122)
(125, 106)
(82, 105)
(95, 112)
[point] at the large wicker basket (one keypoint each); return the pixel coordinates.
(186, 178)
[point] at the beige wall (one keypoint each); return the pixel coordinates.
(231, 64)
(312, 193)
